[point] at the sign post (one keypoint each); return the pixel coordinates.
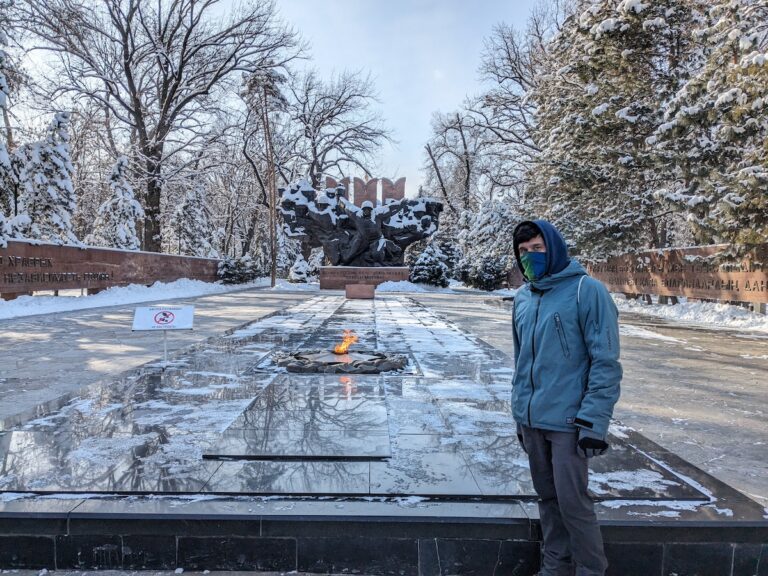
(164, 318)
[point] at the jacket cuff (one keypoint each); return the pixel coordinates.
(587, 433)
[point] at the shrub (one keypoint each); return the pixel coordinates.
(238, 270)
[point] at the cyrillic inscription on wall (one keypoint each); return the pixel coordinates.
(26, 267)
(692, 272)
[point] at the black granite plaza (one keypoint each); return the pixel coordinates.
(392, 473)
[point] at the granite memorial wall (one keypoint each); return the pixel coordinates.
(28, 267)
(701, 272)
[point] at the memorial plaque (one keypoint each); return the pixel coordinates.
(338, 277)
(692, 272)
(26, 267)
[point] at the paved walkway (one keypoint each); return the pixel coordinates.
(47, 357)
(700, 393)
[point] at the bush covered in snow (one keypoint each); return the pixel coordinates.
(306, 271)
(431, 267)
(238, 270)
(115, 225)
(300, 271)
(487, 273)
(196, 236)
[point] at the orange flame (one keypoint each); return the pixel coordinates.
(349, 339)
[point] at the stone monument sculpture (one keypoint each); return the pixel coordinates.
(363, 236)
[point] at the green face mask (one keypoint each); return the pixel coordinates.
(534, 264)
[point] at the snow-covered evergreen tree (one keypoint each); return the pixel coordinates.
(6, 172)
(288, 249)
(195, 234)
(115, 225)
(489, 230)
(717, 126)
(7, 184)
(5, 230)
(45, 177)
(306, 270)
(299, 272)
(614, 68)
(430, 267)
(486, 244)
(238, 270)
(6, 175)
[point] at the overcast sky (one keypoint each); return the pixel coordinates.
(423, 55)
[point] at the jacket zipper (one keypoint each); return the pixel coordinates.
(533, 358)
(561, 336)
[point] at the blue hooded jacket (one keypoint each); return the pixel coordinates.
(566, 335)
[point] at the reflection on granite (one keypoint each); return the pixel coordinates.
(307, 444)
(445, 430)
(422, 465)
(39, 462)
(276, 477)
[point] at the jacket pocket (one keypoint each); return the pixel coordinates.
(561, 335)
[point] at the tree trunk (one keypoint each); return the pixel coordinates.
(439, 178)
(153, 238)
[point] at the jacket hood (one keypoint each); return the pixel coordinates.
(572, 269)
(557, 251)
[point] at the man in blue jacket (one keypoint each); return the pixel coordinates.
(567, 377)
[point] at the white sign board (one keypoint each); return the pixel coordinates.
(163, 318)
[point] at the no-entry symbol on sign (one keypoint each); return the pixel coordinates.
(164, 318)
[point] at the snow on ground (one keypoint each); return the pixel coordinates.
(72, 299)
(702, 313)
(454, 287)
(281, 284)
(405, 286)
(638, 332)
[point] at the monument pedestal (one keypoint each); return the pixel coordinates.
(337, 277)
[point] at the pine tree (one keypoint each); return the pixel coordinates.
(614, 68)
(718, 125)
(430, 267)
(299, 272)
(45, 178)
(195, 234)
(489, 230)
(6, 176)
(486, 244)
(238, 270)
(115, 225)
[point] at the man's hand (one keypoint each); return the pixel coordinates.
(590, 445)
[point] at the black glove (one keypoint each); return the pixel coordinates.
(589, 445)
(520, 438)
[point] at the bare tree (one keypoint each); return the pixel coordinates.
(513, 64)
(335, 127)
(157, 67)
(457, 155)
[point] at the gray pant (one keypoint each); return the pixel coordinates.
(571, 535)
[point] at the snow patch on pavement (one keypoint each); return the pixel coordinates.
(405, 286)
(700, 313)
(638, 332)
(629, 480)
(119, 296)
